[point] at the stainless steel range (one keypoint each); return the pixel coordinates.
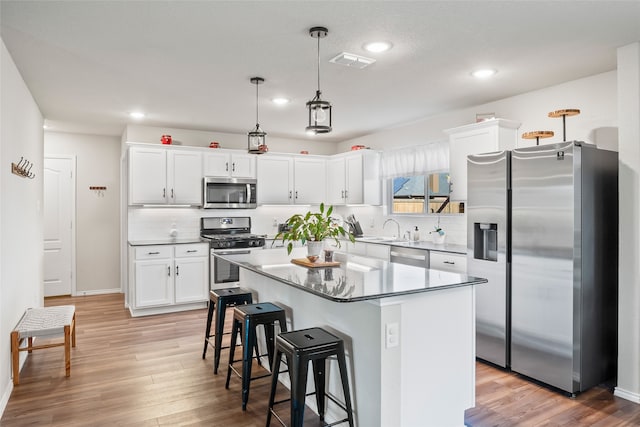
(227, 235)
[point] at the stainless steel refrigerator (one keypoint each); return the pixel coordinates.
(560, 245)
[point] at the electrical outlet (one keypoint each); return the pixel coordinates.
(275, 222)
(392, 335)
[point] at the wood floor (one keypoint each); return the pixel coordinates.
(149, 372)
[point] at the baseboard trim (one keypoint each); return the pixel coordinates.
(5, 396)
(98, 292)
(627, 395)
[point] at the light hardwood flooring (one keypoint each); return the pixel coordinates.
(149, 371)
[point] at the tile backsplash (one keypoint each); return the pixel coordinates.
(157, 223)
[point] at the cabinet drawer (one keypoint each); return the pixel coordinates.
(447, 261)
(151, 252)
(191, 250)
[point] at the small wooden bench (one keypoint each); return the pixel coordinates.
(44, 322)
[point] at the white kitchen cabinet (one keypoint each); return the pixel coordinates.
(164, 176)
(191, 272)
(167, 278)
(309, 180)
(291, 180)
(476, 138)
(448, 261)
(228, 164)
(354, 178)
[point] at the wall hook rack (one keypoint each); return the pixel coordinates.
(23, 168)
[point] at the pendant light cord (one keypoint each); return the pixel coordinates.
(318, 64)
(257, 121)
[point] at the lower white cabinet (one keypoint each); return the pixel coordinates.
(167, 278)
(448, 261)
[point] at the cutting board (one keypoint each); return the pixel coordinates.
(306, 263)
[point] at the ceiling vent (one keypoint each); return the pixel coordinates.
(352, 60)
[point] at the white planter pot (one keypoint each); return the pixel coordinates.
(438, 238)
(314, 248)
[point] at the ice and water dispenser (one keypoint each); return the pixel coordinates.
(485, 241)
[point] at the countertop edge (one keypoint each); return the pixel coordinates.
(475, 281)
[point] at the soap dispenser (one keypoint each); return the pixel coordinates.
(416, 234)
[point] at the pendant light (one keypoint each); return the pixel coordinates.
(319, 110)
(256, 137)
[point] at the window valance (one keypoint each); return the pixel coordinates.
(416, 160)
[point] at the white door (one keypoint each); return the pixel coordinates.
(59, 223)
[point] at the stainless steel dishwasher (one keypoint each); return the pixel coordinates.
(409, 256)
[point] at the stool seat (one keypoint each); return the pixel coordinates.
(219, 301)
(301, 347)
(246, 319)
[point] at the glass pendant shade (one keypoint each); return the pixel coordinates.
(256, 139)
(319, 116)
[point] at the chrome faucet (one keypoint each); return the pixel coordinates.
(397, 225)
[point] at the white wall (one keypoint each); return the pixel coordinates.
(21, 225)
(97, 218)
(196, 138)
(629, 227)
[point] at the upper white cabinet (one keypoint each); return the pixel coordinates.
(162, 176)
(476, 138)
(226, 164)
(354, 178)
(291, 180)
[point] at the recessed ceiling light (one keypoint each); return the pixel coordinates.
(280, 101)
(377, 47)
(137, 115)
(483, 73)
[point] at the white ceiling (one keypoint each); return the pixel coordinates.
(187, 64)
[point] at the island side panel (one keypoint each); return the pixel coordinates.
(359, 324)
(438, 357)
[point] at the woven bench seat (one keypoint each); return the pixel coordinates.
(44, 322)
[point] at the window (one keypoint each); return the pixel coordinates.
(423, 194)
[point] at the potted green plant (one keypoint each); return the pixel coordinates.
(313, 228)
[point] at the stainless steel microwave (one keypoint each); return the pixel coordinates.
(229, 193)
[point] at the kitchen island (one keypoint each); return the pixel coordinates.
(409, 332)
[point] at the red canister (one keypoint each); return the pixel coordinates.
(214, 144)
(166, 139)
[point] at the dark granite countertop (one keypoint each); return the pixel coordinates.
(356, 279)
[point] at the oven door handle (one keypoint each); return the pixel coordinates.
(233, 252)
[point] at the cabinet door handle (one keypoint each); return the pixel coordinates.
(342, 194)
(153, 253)
(177, 270)
(296, 195)
(233, 167)
(164, 193)
(226, 166)
(190, 251)
(169, 271)
(290, 194)
(345, 194)
(449, 262)
(172, 196)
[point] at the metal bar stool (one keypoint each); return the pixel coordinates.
(301, 347)
(246, 318)
(219, 301)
